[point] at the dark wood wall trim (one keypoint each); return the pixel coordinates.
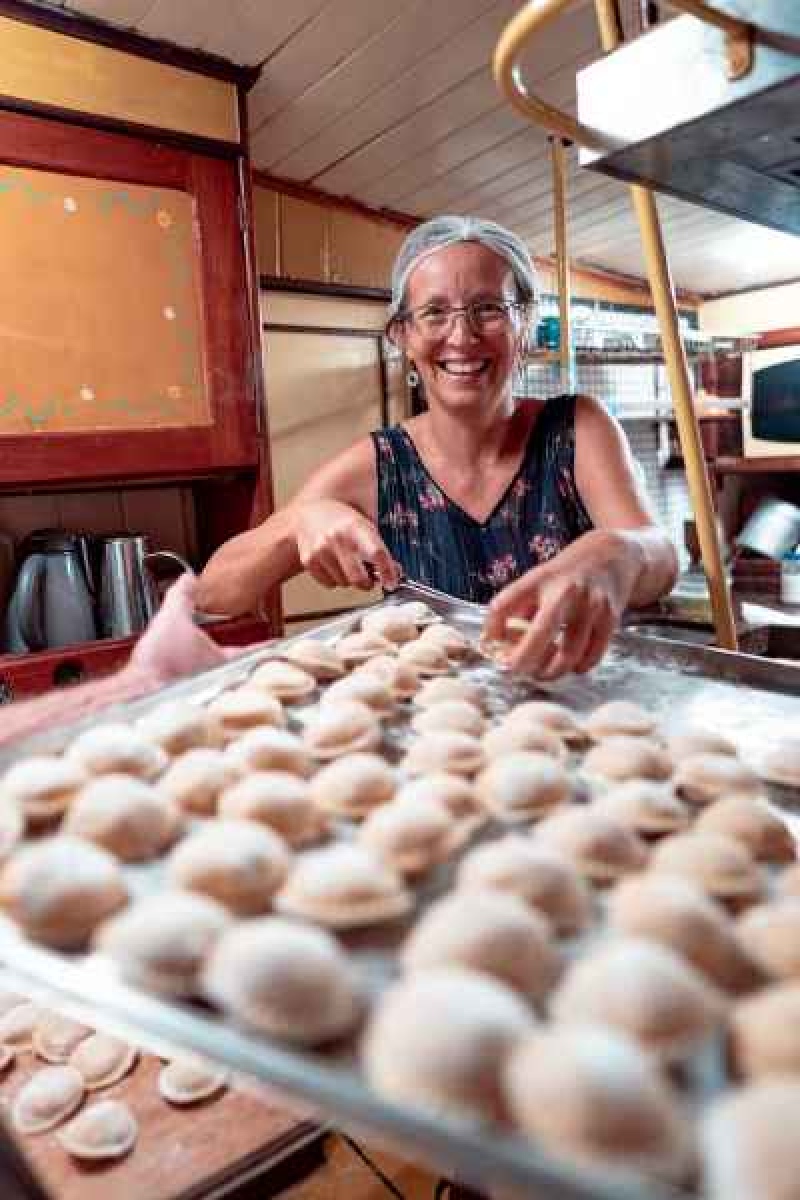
(313, 287)
(304, 191)
(167, 137)
(774, 338)
(91, 30)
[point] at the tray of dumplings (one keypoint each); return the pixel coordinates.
(545, 937)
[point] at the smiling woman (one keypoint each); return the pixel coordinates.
(529, 505)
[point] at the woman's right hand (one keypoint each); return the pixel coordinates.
(337, 545)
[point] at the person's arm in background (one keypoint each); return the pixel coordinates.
(574, 602)
(328, 529)
(172, 646)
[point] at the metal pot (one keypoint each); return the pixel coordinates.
(128, 593)
(773, 529)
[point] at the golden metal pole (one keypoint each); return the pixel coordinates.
(559, 165)
(678, 373)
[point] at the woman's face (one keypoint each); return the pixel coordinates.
(462, 368)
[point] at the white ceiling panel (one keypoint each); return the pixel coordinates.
(386, 56)
(392, 102)
(317, 48)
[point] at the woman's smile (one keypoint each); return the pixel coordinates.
(464, 368)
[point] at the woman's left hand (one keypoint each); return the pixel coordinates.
(172, 645)
(573, 603)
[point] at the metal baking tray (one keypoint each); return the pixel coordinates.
(741, 695)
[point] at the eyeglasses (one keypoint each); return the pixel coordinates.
(483, 316)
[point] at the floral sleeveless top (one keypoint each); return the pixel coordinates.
(437, 543)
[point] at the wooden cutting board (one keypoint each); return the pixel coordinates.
(181, 1152)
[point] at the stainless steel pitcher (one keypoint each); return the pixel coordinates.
(128, 594)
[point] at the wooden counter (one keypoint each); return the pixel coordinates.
(181, 1152)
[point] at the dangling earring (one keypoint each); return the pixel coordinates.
(412, 378)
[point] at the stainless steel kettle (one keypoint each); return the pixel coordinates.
(128, 592)
(51, 603)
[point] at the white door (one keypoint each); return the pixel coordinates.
(328, 382)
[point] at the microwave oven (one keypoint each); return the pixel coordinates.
(771, 403)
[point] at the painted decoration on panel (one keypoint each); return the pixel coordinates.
(100, 306)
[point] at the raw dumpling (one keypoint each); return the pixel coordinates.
(402, 680)
(449, 751)
(770, 933)
(343, 887)
(489, 932)
(690, 742)
(523, 786)
(246, 708)
(126, 816)
(162, 940)
(540, 878)
(749, 1142)
(620, 758)
(453, 791)
(194, 780)
(17, 1025)
(459, 715)
(602, 848)
(285, 979)
(177, 726)
(703, 778)
(47, 1099)
(278, 800)
(102, 1060)
(239, 863)
(455, 644)
(677, 913)
(116, 748)
(440, 1040)
(362, 687)
(437, 691)
(647, 808)
(522, 736)
(353, 786)
(589, 1094)
(287, 681)
(753, 823)
(188, 1080)
(316, 657)
(56, 1035)
(723, 867)
(58, 891)
(356, 648)
(411, 835)
(426, 657)
(644, 990)
(269, 749)
(391, 624)
(104, 1130)
(41, 788)
(547, 714)
(619, 717)
(762, 1037)
(342, 729)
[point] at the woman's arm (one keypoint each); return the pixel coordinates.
(328, 529)
(574, 602)
(172, 646)
(607, 480)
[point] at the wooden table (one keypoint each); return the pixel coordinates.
(181, 1153)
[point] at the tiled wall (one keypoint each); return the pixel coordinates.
(632, 391)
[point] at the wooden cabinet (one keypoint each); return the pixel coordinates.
(362, 250)
(304, 239)
(210, 326)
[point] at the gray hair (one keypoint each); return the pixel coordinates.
(444, 231)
